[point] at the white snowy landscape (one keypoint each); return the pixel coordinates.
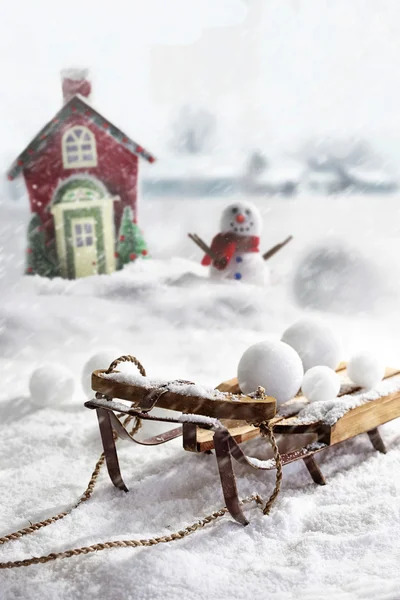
(340, 540)
(327, 71)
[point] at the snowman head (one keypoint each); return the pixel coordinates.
(242, 218)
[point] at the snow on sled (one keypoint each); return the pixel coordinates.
(222, 418)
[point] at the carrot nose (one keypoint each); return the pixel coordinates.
(240, 218)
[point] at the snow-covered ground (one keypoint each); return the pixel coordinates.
(337, 541)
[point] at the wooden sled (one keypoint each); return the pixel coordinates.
(221, 419)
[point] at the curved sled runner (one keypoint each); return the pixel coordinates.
(201, 409)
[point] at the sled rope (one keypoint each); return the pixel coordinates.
(36, 526)
(266, 431)
(127, 358)
(178, 535)
(84, 498)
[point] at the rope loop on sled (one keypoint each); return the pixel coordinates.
(126, 358)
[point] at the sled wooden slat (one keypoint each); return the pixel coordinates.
(231, 386)
(240, 431)
(241, 407)
(366, 417)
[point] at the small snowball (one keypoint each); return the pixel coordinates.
(100, 360)
(51, 384)
(320, 384)
(365, 370)
(315, 343)
(273, 365)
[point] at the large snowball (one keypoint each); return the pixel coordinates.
(100, 360)
(365, 370)
(315, 343)
(320, 384)
(51, 385)
(335, 276)
(273, 365)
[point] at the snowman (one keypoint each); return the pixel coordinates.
(234, 252)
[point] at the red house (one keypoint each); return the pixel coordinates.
(81, 172)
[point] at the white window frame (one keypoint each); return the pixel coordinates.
(84, 235)
(80, 152)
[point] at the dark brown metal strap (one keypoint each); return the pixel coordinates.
(110, 451)
(240, 456)
(314, 470)
(124, 434)
(189, 431)
(151, 399)
(227, 475)
(376, 440)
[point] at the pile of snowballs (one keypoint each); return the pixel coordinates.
(306, 358)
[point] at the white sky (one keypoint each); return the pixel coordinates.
(326, 66)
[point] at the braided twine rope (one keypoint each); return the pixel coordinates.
(266, 431)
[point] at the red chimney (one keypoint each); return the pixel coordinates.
(75, 81)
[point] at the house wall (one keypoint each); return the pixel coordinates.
(117, 168)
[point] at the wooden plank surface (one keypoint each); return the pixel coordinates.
(231, 386)
(365, 417)
(240, 432)
(241, 407)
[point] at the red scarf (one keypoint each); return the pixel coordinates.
(224, 245)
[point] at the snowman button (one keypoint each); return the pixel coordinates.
(239, 259)
(238, 276)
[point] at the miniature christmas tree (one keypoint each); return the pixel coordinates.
(41, 258)
(131, 244)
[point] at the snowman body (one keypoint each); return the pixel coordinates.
(246, 267)
(236, 247)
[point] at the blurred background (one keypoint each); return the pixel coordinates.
(292, 104)
(265, 96)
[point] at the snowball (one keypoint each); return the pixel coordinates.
(365, 370)
(273, 365)
(51, 384)
(320, 384)
(335, 276)
(100, 360)
(315, 343)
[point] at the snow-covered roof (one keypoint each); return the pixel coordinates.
(76, 105)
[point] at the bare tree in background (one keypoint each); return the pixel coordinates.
(338, 154)
(193, 130)
(352, 161)
(257, 163)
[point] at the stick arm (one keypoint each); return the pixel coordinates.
(202, 245)
(272, 251)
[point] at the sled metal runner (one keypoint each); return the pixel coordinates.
(223, 422)
(198, 412)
